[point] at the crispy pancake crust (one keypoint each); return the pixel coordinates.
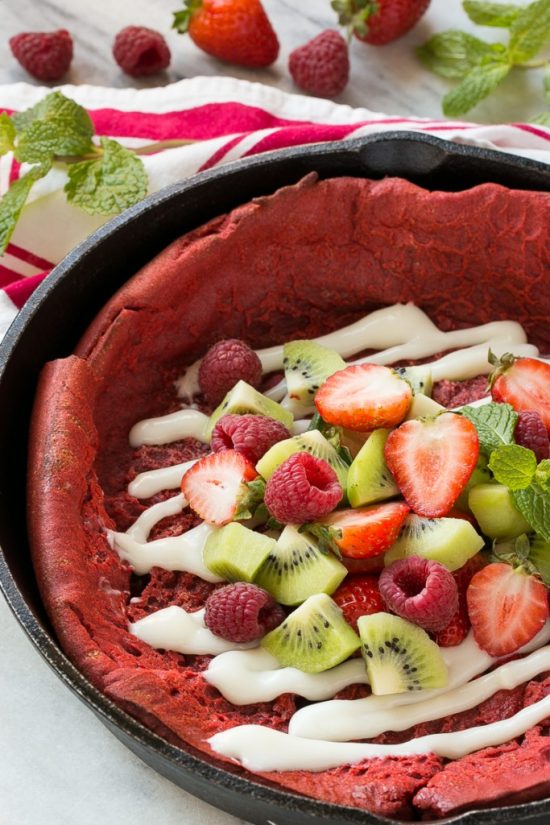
(287, 265)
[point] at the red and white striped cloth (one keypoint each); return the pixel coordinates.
(228, 119)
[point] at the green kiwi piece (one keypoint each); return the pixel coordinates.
(307, 365)
(419, 377)
(244, 399)
(450, 541)
(369, 479)
(495, 511)
(480, 475)
(236, 553)
(314, 637)
(400, 656)
(312, 442)
(296, 569)
(423, 406)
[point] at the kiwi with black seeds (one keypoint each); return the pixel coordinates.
(244, 399)
(400, 656)
(235, 552)
(314, 637)
(307, 365)
(419, 377)
(312, 442)
(450, 541)
(296, 569)
(369, 479)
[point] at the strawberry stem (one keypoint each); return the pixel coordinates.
(182, 19)
(354, 15)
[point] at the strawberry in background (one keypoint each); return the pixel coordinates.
(379, 22)
(236, 31)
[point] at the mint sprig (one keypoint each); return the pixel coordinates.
(104, 176)
(534, 505)
(495, 424)
(482, 66)
(513, 466)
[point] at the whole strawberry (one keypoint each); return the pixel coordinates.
(45, 55)
(321, 66)
(237, 31)
(379, 21)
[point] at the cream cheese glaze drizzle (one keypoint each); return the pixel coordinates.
(314, 741)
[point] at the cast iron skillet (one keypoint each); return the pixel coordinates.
(49, 327)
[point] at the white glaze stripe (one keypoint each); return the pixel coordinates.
(173, 628)
(263, 749)
(151, 482)
(166, 428)
(143, 525)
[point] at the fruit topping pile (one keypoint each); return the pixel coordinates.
(390, 525)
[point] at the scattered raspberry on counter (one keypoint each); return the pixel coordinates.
(45, 55)
(321, 66)
(141, 51)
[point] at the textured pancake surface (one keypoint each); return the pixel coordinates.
(282, 266)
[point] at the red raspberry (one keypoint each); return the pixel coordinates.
(302, 489)
(457, 629)
(321, 66)
(531, 432)
(45, 55)
(226, 363)
(359, 596)
(420, 590)
(242, 612)
(250, 435)
(141, 51)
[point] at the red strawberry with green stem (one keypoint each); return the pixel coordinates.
(431, 460)
(379, 21)
(362, 532)
(237, 31)
(522, 382)
(507, 608)
(359, 596)
(364, 397)
(217, 487)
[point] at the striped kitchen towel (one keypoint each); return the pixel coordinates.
(224, 119)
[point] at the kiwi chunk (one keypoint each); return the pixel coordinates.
(244, 399)
(307, 365)
(423, 406)
(312, 442)
(450, 541)
(236, 553)
(419, 377)
(480, 475)
(495, 511)
(296, 569)
(315, 637)
(399, 655)
(369, 479)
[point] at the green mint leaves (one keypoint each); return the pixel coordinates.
(109, 183)
(482, 66)
(534, 505)
(513, 466)
(103, 179)
(495, 424)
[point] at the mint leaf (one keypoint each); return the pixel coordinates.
(13, 202)
(542, 475)
(513, 466)
(530, 31)
(539, 557)
(495, 424)
(454, 53)
(7, 134)
(108, 185)
(534, 505)
(477, 85)
(501, 15)
(55, 126)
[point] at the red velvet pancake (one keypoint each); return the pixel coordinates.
(302, 262)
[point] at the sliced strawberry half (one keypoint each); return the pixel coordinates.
(359, 596)
(216, 487)
(363, 532)
(431, 460)
(524, 383)
(364, 397)
(507, 608)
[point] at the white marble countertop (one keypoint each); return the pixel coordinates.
(58, 764)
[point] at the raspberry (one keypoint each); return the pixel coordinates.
(250, 435)
(358, 596)
(242, 612)
(303, 488)
(321, 66)
(530, 432)
(141, 51)
(45, 55)
(420, 590)
(226, 363)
